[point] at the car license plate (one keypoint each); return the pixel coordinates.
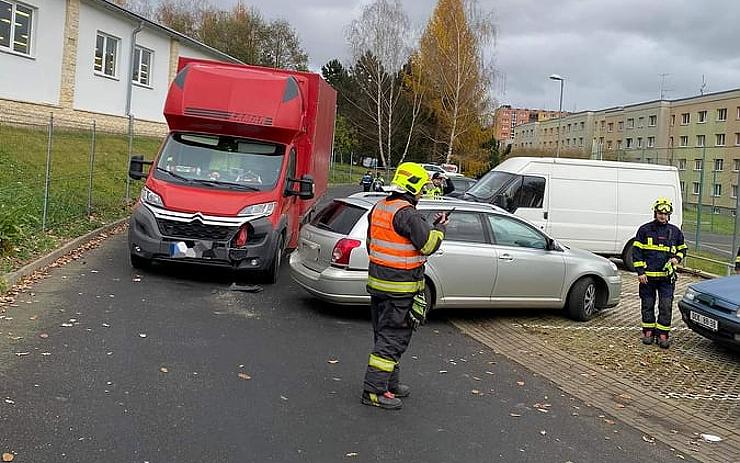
(704, 321)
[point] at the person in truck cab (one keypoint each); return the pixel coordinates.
(658, 247)
(398, 241)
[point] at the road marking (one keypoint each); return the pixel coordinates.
(692, 396)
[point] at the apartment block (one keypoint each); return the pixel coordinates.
(506, 118)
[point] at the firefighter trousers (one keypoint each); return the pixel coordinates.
(663, 287)
(391, 334)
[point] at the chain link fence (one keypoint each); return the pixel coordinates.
(60, 174)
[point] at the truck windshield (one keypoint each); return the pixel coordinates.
(485, 188)
(220, 161)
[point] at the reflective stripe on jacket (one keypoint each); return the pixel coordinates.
(387, 247)
(654, 246)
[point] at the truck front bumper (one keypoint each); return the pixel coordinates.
(154, 237)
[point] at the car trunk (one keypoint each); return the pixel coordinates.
(319, 238)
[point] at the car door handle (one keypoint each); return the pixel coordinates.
(505, 257)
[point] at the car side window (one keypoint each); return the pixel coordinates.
(508, 231)
(463, 226)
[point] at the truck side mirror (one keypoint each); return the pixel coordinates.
(305, 187)
(136, 167)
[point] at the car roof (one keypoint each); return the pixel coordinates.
(368, 199)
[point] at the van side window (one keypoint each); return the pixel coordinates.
(532, 192)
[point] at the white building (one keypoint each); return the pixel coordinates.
(74, 58)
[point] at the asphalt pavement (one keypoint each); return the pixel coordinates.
(99, 362)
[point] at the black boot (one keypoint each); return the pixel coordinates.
(648, 337)
(387, 400)
(663, 341)
(401, 390)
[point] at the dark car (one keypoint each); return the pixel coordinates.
(461, 185)
(712, 309)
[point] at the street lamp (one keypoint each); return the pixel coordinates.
(560, 109)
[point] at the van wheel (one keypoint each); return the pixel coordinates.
(273, 270)
(627, 260)
(582, 299)
(140, 263)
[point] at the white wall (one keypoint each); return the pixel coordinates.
(192, 52)
(37, 79)
(147, 102)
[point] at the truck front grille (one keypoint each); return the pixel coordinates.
(194, 230)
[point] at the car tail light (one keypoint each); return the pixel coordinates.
(241, 237)
(342, 250)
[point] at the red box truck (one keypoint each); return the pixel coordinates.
(246, 159)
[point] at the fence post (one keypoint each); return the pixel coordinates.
(128, 158)
(48, 170)
(350, 166)
(733, 250)
(714, 197)
(92, 166)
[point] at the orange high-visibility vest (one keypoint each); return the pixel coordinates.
(388, 248)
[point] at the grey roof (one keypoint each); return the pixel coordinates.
(160, 28)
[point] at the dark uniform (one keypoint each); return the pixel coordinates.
(654, 246)
(737, 261)
(399, 239)
(366, 181)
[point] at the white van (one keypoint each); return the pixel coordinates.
(584, 203)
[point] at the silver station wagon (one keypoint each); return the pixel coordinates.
(488, 259)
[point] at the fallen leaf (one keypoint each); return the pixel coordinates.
(619, 405)
(648, 439)
(105, 325)
(515, 415)
(33, 317)
(475, 391)
(244, 376)
(443, 371)
(710, 437)
(43, 335)
(9, 401)
(164, 370)
(333, 361)
(543, 432)
(8, 457)
(22, 354)
(520, 383)
(46, 354)
(142, 335)
(283, 397)
(608, 421)
(351, 454)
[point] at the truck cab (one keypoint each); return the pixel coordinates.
(245, 160)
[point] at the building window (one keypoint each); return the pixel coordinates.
(717, 190)
(682, 164)
(629, 143)
(719, 139)
(685, 118)
(608, 144)
(695, 188)
(652, 121)
(700, 140)
(734, 191)
(722, 114)
(737, 138)
(698, 164)
(603, 123)
(684, 140)
(16, 21)
(620, 126)
(583, 124)
(683, 187)
(719, 165)
(670, 142)
(580, 141)
(673, 120)
(737, 115)
(716, 209)
(106, 55)
(619, 144)
(639, 142)
(630, 123)
(640, 122)
(735, 165)
(610, 127)
(702, 117)
(651, 142)
(142, 66)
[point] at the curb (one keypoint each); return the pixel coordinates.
(13, 277)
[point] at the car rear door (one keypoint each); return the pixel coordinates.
(464, 267)
(529, 275)
(331, 224)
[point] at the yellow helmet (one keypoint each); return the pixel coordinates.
(411, 177)
(663, 204)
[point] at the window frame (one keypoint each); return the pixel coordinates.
(116, 67)
(702, 117)
(31, 36)
(717, 190)
(721, 114)
(719, 164)
(137, 66)
(487, 235)
(720, 139)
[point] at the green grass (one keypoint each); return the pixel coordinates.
(692, 262)
(713, 223)
(341, 173)
(23, 164)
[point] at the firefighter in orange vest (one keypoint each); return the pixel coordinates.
(398, 241)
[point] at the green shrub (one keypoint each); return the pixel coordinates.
(10, 228)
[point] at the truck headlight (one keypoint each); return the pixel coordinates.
(150, 197)
(690, 294)
(258, 209)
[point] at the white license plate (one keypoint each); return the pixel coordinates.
(704, 321)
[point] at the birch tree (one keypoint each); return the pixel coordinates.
(383, 32)
(455, 70)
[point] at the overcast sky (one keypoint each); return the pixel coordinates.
(611, 52)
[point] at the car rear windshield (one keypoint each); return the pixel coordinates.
(339, 217)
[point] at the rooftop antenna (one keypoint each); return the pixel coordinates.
(663, 90)
(703, 85)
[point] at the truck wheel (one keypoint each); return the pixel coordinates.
(273, 271)
(627, 260)
(581, 303)
(140, 263)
